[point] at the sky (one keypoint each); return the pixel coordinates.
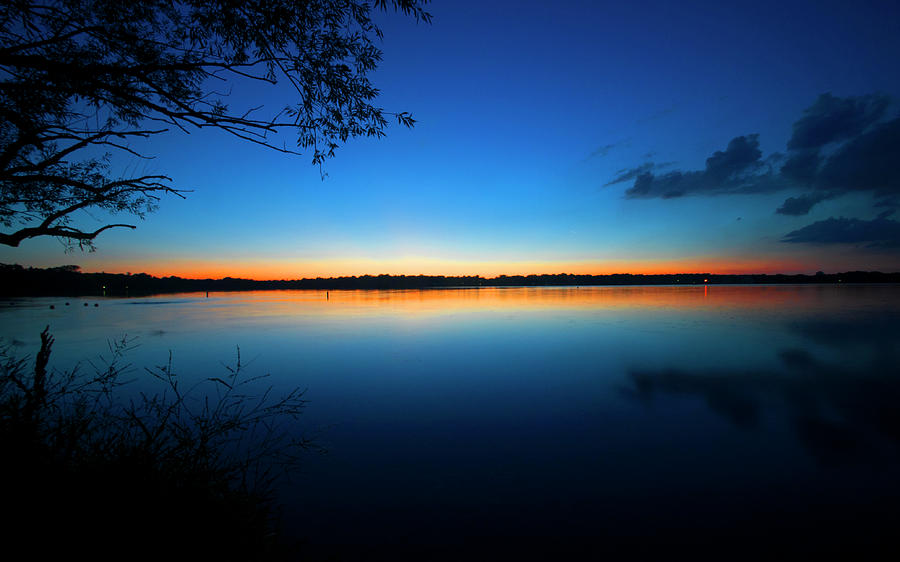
(578, 137)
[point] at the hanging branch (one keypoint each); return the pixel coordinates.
(80, 78)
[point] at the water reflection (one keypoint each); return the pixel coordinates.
(750, 415)
(842, 409)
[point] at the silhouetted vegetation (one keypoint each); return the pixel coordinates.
(80, 77)
(69, 281)
(186, 471)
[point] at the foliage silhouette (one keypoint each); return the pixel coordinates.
(79, 77)
(203, 462)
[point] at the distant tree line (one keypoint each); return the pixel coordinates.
(68, 280)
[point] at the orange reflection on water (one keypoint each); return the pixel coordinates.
(488, 299)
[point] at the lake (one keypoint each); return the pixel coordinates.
(520, 423)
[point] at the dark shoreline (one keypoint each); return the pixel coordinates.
(16, 280)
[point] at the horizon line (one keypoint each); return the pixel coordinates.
(77, 269)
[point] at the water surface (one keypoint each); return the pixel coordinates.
(536, 421)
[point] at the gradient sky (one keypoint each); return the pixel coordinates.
(528, 112)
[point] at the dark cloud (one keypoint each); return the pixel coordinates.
(879, 232)
(832, 119)
(801, 167)
(742, 153)
(892, 201)
(737, 169)
(839, 146)
(667, 186)
(869, 162)
(800, 205)
(603, 150)
(628, 174)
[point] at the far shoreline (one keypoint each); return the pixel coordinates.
(69, 281)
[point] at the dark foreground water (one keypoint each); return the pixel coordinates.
(542, 423)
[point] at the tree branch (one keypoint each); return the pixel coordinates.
(17, 237)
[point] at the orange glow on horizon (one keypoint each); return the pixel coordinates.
(285, 269)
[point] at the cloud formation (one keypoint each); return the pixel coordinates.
(832, 119)
(880, 232)
(838, 146)
(737, 169)
(603, 150)
(628, 174)
(800, 205)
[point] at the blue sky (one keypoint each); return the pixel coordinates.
(526, 111)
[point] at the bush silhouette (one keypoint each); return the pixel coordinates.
(184, 472)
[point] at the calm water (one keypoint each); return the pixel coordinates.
(536, 421)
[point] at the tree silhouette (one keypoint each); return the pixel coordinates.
(81, 80)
